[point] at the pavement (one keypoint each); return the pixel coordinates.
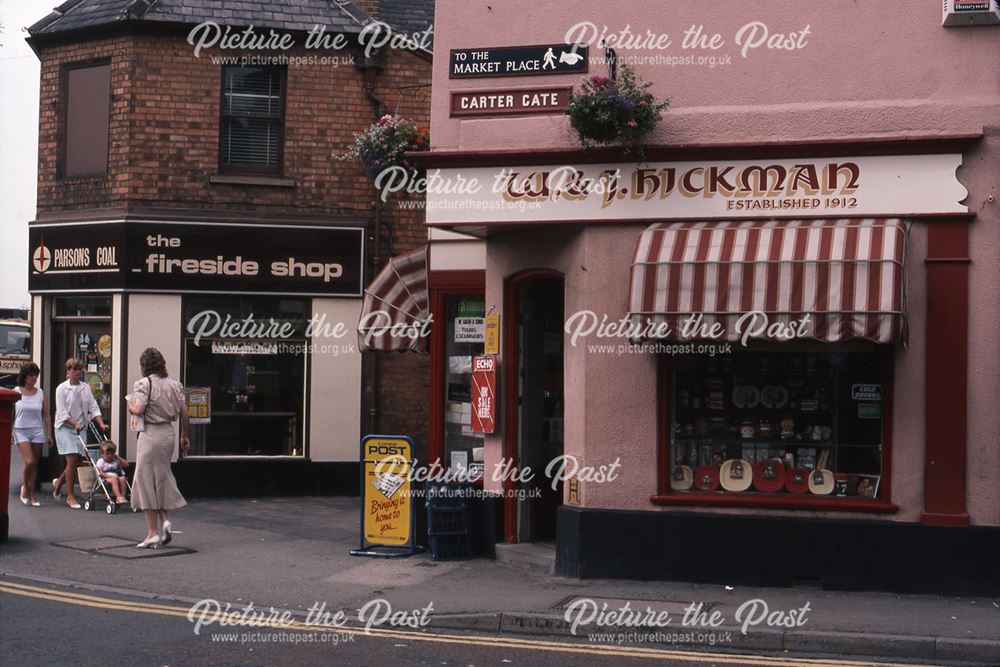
(292, 553)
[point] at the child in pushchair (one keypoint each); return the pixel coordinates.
(109, 472)
(111, 469)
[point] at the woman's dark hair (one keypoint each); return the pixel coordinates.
(151, 362)
(30, 368)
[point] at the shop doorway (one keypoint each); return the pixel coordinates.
(535, 402)
(91, 343)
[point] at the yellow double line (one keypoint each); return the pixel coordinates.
(699, 657)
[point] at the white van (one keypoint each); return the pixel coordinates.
(15, 350)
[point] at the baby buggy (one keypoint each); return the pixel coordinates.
(100, 487)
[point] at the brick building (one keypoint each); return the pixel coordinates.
(180, 186)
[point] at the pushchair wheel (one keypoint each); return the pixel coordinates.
(112, 507)
(88, 505)
(134, 510)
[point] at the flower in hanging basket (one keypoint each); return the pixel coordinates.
(622, 111)
(384, 144)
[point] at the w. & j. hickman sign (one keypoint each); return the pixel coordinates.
(850, 186)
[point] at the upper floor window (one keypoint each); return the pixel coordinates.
(253, 120)
(88, 111)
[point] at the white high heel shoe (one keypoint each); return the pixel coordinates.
(149, 542)
(167, 534)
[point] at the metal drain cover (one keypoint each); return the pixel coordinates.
(120, 547)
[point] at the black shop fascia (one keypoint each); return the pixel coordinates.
(282, 260)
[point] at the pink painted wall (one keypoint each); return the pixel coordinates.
(867, 69)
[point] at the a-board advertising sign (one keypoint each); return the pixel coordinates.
(386, 511)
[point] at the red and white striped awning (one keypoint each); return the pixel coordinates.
(396, 305)
(846, 274)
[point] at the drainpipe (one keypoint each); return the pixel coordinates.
(370, 67)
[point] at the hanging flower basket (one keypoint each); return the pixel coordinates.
(385, 144)
(609, 112)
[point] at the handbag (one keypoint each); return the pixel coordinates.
(137, 423)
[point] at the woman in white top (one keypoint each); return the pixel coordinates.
(31, 428)
(75, 407)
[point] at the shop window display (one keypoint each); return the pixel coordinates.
(463, 341)
(256, 385)
(772, 420)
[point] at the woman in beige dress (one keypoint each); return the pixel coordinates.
(160, 400)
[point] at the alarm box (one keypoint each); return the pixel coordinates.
(970, 12)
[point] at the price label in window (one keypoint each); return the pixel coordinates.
(199, 404)
(869, 411)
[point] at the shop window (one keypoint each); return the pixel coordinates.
(81, 306)
(794, 421)
(463, 340)
(256, 383)
(252, 131)
(87, 103)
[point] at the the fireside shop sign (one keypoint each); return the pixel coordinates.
(896, 185)
(517, 61)
(196, 257)
(510, 101)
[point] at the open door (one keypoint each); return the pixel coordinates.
(536, 422)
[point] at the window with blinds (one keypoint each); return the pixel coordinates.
(252, 132)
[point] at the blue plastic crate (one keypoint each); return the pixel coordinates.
(449, 496)
(450, 547)
(448, 522)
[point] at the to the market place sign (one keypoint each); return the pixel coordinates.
(855, 186)
(517, 61)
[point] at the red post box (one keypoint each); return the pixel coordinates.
(7, 400)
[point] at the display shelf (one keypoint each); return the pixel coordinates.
(769, 412)
(710, 440)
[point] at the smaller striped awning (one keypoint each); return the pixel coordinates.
(846, 275)
(396, 307)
